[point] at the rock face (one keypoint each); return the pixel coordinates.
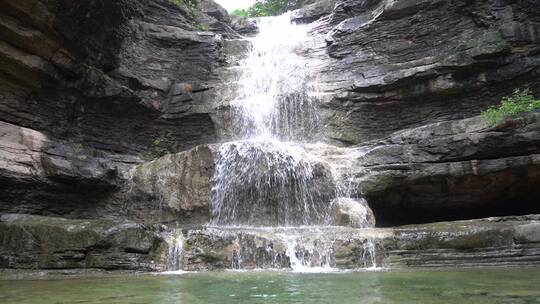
(509, 241)
(490, 242)
(41, 175)
(130, 76)
(313, 11)
(391, 65)
(454, 169)
(244, 26)
(175, 187)
(37, 242)
(260, 183)
(90, 89)
(110, 111)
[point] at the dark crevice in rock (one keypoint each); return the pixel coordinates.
(391, 216)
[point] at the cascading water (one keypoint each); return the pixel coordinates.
(175, 241)
(269, 183)
(273, 98)
(264, 178)
(269, 195)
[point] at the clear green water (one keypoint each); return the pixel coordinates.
(471, 286)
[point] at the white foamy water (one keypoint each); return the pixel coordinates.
(266, 169)
(269, 183)
(175, 241)
(273, 98)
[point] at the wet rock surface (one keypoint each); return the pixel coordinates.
(352, 213)
(173, 188)
(38, 242)
(313, 11)
(269, 184)
(244, 26)
(489, 242)
(509, 241)
(451, 170)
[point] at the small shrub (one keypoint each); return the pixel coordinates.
(201, 27)
(521, 101)
(239, 13)
(189, 3)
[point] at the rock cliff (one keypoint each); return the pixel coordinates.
(392, 65)
(111, 113)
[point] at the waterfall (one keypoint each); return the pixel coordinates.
(272, 198)
(175, 242)
(269, 183)
(265, 178)
(309, 257)
(273, 99)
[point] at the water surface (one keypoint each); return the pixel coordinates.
(467, 286)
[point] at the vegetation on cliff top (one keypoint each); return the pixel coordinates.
(263, 8)
(189, 3)
(521, 101)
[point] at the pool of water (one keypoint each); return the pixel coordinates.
(466, 286)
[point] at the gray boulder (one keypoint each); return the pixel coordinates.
(245, 26)
(352, 213)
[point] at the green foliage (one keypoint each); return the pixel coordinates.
(201, 27)
(263, 8)
(189, 3)
(239, 13)
(521, 101)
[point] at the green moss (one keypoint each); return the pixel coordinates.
(201, 27)
(163, 143)
(521, 101)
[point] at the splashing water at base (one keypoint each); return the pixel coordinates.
(309, 257)
(299, 249)
(370, 255)
(175, 252)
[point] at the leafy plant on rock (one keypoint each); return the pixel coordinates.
(189, 3)
(521, 101)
